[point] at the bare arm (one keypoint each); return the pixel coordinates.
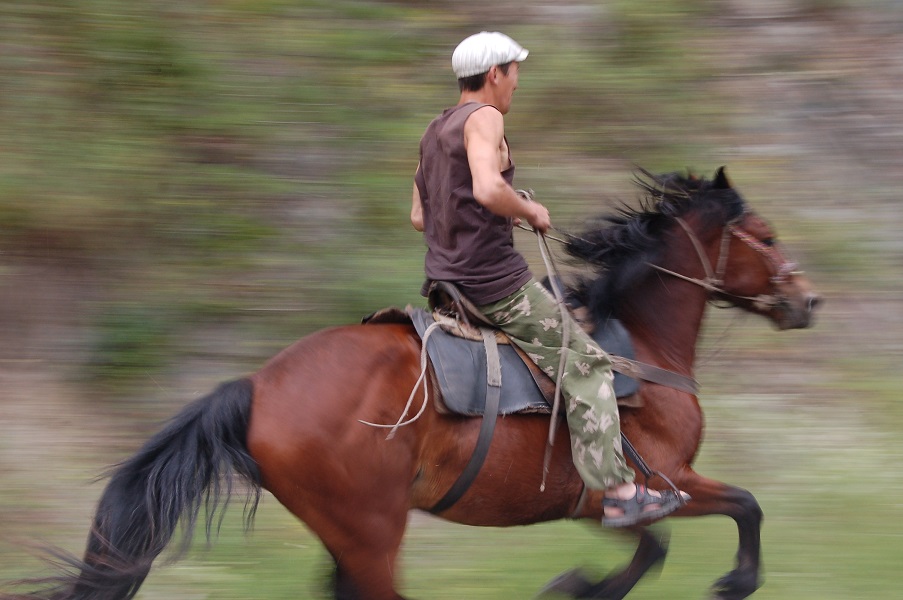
(417, 210)
(483, 136)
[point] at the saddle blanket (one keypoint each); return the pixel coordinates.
(460, 368)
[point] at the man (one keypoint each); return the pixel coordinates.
(464, 203)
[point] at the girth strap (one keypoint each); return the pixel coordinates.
(487, 427)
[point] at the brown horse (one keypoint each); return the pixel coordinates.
(294, 427)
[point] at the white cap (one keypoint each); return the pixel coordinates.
(481, 51)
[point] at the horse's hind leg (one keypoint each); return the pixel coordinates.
(651, 549)
(344, 586)
(364, 542)
(357, 508)
(346, 481)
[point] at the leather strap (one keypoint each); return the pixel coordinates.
(458, 302)
(639, 370)
(631, 453)
(487, 427)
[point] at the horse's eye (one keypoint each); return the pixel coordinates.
(769, 241)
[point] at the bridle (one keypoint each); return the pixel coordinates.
(782, 268)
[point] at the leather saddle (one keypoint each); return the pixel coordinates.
(460, 369)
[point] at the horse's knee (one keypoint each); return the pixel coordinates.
(745, 507)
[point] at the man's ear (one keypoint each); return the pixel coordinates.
(493, 74)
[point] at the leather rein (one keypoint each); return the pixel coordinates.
(782, 268)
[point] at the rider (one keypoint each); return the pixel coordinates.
(464, 203)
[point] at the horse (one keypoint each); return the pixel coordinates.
(294, 428)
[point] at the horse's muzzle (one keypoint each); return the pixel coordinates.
(797, 313)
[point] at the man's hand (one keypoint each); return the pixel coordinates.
(539, 217)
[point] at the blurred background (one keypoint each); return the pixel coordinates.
(188, 187)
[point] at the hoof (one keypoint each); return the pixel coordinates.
(735, 586)
(572, 584)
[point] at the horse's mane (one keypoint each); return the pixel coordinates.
(619, 246)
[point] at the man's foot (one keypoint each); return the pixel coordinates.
(630, 504)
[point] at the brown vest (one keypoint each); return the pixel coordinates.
(466, 243)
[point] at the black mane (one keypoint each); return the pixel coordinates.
(620, 246)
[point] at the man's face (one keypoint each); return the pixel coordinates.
(506, 86)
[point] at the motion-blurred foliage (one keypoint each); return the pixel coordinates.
(184, 151)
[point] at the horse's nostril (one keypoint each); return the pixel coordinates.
(813, 302)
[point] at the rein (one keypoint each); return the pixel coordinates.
(554, 278)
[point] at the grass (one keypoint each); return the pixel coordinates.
(816, 553)
(826, 473)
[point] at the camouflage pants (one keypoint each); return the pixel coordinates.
(532, 319)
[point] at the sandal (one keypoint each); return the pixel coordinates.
(643, 507)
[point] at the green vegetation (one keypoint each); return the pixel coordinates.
(182, 153)
(173, 148)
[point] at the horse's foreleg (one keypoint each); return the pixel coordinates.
(745, 578)
(652, 548)
(713, 497)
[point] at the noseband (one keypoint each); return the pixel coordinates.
(782, 269)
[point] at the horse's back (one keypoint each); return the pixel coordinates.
(326, 376)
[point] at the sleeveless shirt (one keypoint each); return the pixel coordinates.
(466, 243)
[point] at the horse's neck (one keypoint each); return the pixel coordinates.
(664, 320)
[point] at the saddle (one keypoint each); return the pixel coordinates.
(526, 387)
(468, 361)
(458, 357)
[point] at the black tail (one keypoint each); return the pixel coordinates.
(190, 463)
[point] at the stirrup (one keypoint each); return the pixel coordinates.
(634, 509)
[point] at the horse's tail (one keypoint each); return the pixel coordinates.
(190, 463)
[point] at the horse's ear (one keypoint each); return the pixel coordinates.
(721, 181)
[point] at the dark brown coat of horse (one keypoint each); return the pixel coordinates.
(294, 427)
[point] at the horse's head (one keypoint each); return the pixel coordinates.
(701, 232)
(747, 267)
(761, 278)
